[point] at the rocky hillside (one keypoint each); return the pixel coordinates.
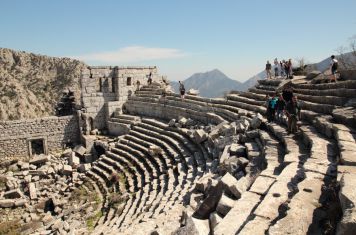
(30, 84)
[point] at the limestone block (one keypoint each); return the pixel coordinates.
(210, 203)
(73, 160)
(225, 154)
(348, 158)
(172, 122)
(214, 219)
(67, 170)
(200, 136)
(238, 215)
(40, 159)
(225, 204)
(182, 121)
(84, 167)
(80, 150)
(262, 185)
(256, 121)
(237, 149)
(256, 226)
(230, 183)
(6, 203)
(12, 194)
(32, 190)
(197, 226)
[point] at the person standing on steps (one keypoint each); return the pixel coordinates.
(138, 85)
(149, 81)
(290, 67)
(333, 68)
(276, 64)
(280, 106)
(181, 89)
(293, 113)
(271, 109)
(282, 64)
(268, 70)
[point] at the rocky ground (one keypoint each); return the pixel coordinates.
(47, 194)
(31, 85)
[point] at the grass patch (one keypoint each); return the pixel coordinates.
(91, 221)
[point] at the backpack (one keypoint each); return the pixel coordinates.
(335, 65)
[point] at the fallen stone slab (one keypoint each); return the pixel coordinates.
(230, 183)
(12, 194)
(42, 159)
(73, 160)
(7, 203)
(209, 204)
(237, 149)
(225, 204)
(214, 219)
(256, 121)
(238, 215)
(200, 136)
(196, 226)
(67, 170)
(80, 150)
(32, 190)
(84, 167)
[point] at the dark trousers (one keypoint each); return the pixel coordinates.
(270, 114)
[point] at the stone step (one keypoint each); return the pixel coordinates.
(245, 100)
(238, 215)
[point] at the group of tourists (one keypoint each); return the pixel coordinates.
(282, 69)
(285, 104)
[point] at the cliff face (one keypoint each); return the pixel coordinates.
(31, 85)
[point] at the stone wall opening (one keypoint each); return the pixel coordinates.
(113, 80)
(128, 81)
(37, 146)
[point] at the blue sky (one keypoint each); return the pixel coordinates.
(180, 37)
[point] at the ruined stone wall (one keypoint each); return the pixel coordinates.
(104, 84)
(15, 136)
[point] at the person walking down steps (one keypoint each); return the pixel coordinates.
(293, 113)
(181, 89)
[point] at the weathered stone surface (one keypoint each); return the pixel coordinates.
(5, 203)
(32, 190)
(214, 219)
(256, 226)
(225, 154)
(182, 121)
(300, 218)
(40, 159)
(84, 167)
(73, 160)
(256, 121)
(210, 203)
(262, 185)
(347, 196)
(237, 149)
(224, 205)
(172, 122)
(204, 183)
(200, 135)
(67, 170)
(196, 227)
(230, 185)
(348, 158)
(80, 150)
(238, 215)
(12, 194)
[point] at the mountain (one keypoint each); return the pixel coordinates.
(210, 84)
(215, 83)
(31, 85)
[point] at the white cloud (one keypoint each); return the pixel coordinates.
(132, 54)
